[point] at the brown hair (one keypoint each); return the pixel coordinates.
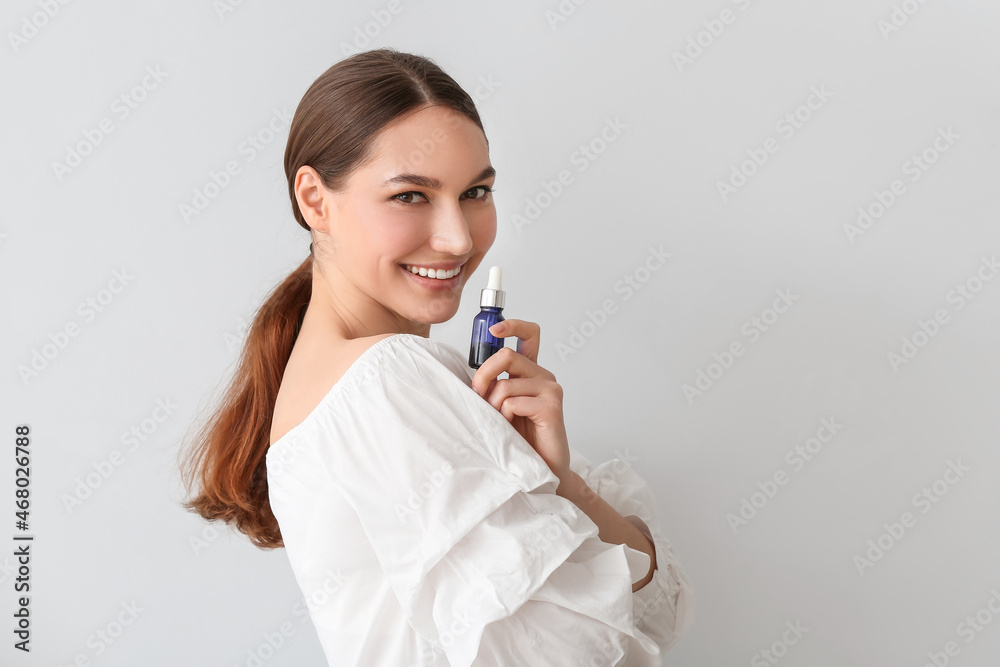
(334, 130)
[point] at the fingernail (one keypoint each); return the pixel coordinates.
(496, 328)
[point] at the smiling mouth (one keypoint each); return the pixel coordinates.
(433, 274)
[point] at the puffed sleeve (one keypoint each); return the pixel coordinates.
(663, 608)
(486, 561)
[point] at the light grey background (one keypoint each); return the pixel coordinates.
(544, 89)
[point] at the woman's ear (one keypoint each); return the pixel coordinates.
(309, 194)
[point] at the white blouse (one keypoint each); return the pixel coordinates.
(425, 531)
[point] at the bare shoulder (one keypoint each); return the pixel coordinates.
(313, 369)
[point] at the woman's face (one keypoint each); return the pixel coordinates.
(424, 200)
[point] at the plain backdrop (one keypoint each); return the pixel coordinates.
(795, 380)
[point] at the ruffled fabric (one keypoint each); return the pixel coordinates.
(663, 609)
(488, 565)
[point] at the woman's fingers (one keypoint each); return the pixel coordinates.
(486, 375)
(528, 335)
(516, 365)
(500, 390)
(523, 397)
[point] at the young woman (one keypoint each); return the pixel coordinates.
(432, 515)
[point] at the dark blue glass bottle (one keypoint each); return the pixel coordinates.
(491, 301)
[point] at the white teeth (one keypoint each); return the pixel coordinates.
(440, 274)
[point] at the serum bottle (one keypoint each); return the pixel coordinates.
(485, 344)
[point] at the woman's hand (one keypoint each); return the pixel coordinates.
(530, 398)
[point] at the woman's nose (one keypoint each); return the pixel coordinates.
(451, 231)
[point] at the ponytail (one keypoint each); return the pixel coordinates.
(229, 465)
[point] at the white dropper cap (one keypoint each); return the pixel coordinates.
(493, 295)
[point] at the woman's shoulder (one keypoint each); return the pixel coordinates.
(316, 370)
(434, 354)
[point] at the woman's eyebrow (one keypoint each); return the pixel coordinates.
(433, 183)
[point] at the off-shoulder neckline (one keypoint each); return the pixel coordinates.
(347, 377)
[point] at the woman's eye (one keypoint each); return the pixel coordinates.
(486, 191)
(407, 194)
